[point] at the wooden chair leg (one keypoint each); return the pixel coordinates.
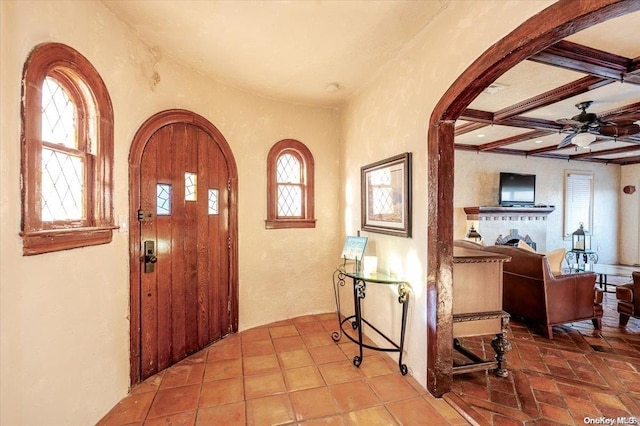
(597, 323)
(547, 331)
(624, 319)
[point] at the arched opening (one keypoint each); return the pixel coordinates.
(548, 27)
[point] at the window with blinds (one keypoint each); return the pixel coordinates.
(578, 201)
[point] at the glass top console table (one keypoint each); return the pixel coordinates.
(356, 321)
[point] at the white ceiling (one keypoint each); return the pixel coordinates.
(287, 50)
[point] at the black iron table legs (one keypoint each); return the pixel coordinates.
(356, 320)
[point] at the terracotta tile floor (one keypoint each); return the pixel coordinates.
(291, 372)
(287, 373)
(581, 373)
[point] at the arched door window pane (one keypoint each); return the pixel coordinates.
(290, 202)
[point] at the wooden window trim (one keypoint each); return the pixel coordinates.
(78, 76)
(303, 154)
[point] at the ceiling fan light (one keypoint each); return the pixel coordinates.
(583, 139)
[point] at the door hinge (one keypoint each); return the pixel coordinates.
(229, 306)
(229, 242)
(144, 216)
(229, 184)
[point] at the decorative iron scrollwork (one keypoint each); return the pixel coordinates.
(338, 281)
(361, 287)
(403, 292)
(357, 361)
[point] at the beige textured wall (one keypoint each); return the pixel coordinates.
(629, 238)
(476, 184)
(64, 316)
(390, 117)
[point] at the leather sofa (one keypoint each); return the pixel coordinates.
(533, 293)
(628, 296)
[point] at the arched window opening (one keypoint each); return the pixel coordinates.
(67, 152)
(290, 202)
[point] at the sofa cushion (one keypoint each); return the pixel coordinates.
(523, 245)
(555, 259)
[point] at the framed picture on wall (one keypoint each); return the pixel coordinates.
(386, 196)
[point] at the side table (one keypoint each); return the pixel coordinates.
(356, 321)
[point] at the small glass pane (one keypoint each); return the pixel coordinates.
(62, 186)
(163, 199)
(380, 177)
(213, 201)
(289, 201)
(190, 186)
(58, 115)
(288, 169)
(382, 200)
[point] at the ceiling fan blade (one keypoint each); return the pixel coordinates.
(566, 141)
(569, 122)
(619, 130)
(626, 118)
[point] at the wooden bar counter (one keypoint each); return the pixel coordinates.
(477, 305)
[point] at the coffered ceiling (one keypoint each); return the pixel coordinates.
(528, 110)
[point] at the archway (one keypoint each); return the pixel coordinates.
(542, 30)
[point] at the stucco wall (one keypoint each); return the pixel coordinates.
(390, 117)
(64, 316)
(476, 184)
(630, 216)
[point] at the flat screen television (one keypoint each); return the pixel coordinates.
(517, 189)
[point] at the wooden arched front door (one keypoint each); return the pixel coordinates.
(183, 238)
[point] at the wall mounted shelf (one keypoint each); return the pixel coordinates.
(507, 213)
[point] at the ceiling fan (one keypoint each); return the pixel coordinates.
(585, 126)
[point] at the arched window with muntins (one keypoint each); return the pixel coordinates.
(67, 152)
(290, 186)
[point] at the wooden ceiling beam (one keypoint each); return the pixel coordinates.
(530, 123)
(627, 160)
(603, 68)
(552, 96)
(466, 147)
(513, 139)
(546, 149)
(612, 151)
(468, 127)
(635, 66)
(481, 118)
(477, 116)
(548, 126)
(576, 57)
(623, 110)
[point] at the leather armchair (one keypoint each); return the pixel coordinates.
(628, 296)
(533, 293)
